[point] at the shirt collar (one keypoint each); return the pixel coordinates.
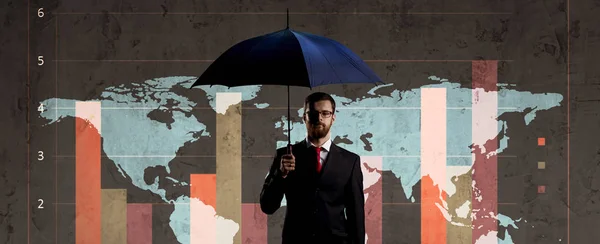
(326, 145)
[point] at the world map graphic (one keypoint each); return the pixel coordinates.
(392, 130)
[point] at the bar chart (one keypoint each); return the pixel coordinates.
(127, 153)
(216, 213)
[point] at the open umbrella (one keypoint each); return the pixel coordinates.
(287, 57)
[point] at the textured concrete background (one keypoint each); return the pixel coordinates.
(531, 36)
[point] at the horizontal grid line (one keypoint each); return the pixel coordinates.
(277, 108)
(212, 60)
(283, 13)
(183, 203)
(417, 203)
(167, 156)
(430, 60)
(266, 156)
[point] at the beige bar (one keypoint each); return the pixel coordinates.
(460, 212)
(229, 164)
(114, 216)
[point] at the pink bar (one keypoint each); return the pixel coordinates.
(254, 224)
(372, 181)
(485, 141)
(139, 223)
(433, 164)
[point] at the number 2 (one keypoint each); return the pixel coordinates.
(41, 203)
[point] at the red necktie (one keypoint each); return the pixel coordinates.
(318, 159)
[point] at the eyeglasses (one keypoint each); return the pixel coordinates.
(325, 114)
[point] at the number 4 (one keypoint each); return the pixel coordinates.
(41, 107)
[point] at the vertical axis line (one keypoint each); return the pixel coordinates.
(568, 122)
(28, 126)
(56, 130)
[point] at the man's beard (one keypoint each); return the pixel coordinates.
(318, 132)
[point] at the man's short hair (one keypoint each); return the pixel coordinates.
(318, 96)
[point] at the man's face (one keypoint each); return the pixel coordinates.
(318, 118)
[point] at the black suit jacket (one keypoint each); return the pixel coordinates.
(325, 207)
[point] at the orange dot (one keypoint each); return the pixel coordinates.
(541, 141)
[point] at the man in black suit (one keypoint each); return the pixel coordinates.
(324, 193)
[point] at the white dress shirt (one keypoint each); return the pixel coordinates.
(324, 149)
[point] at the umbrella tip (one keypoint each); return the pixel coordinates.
(287, 13)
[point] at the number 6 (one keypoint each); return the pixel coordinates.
(40, 12)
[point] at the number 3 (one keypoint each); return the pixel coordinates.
(40, 155)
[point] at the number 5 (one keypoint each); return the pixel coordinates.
(40, 60)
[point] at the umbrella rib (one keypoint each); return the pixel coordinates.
(352, 61)
(326, 59)
(258, 44)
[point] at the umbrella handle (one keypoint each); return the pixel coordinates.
(289, 149)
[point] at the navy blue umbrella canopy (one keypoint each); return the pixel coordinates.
(287, 57)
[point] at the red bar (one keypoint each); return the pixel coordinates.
(87, 173)
(433, 223)
(254, 224)
(203, 202)
(204, 187)
(485, 193)
(139, 223)
(371, 168)
(484, 74)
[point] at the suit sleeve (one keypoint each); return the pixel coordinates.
(273, 188)
(355, 205)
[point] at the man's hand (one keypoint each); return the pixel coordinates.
(288, 164)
